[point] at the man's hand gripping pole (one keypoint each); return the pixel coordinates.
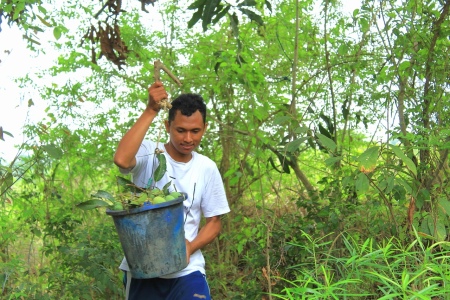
(157, 77)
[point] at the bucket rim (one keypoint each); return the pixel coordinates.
(145, 207)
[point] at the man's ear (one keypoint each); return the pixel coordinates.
(206, 127)
(166, 123)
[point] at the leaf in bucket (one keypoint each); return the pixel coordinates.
(166, 188)
(127, 184)
(91, 204)
(123, 181)
(143, 197)
(161, 169)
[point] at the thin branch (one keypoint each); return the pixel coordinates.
(330, 78)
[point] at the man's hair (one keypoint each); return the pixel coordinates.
(188, 104)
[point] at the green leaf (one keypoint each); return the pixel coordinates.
(252, 16)
(6, 182)
(404, 65)
(44, 21)
(138, 200)
(103, 194)
(406, 160)
(399, 192)
(36, 231)
(197, 4)
(123, 181)
(295, 144)
(42, 9)
(260, 113)
(268, 5)
(347, 181)
(311, 142)
(18, 9)
(229, 173)
(221, 14)
(438, 231)
(247, 3)
(2, 132)
(345, 110)
(441, 231)
(195, 17)
(329, 131)
(326, 142)
(57, 32)
(235, 25)
(236, 178)
(127, 184)
(325, 131)
(404, 184)
(53, 151)
(208, 12)
(362, 184)
(284, 163)
(91, 204)
(364, 24)
(272, 163)
(162, 167)
(343, 50)
(281, 120)
(166, 187)
(301, 130)
(331, 161)
(389, 183)
(368, 160)
(422, 197)
(444, 205)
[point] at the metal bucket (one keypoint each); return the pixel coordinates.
(152, 238)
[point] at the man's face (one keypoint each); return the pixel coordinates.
(185, 134)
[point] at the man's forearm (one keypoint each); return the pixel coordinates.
(131, 141)
(206, 235)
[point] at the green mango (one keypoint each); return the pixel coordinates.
(175, 195)
(158, 199)
(117, 206)
(170, 197)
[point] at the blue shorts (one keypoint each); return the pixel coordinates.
(189, 287)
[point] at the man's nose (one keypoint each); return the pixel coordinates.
(188, 137)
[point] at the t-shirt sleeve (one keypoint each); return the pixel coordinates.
(214, 202)
(144, 158)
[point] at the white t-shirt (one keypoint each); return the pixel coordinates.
(199, 179)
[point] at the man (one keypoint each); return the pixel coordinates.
(189, 172)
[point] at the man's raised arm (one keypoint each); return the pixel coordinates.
(125, 156)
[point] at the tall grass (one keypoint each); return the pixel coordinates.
(390, 269)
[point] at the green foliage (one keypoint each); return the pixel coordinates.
(329, 129)
(368, 269)
(211, 12)
(131, 196)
